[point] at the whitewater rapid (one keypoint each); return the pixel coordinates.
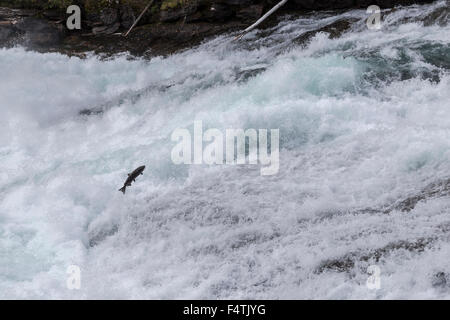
(364, 123)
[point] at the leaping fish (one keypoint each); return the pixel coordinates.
(132, 178)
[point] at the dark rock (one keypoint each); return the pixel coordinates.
(347, 262)
(392, 3)
(90, 112)
(364, 3)
(440, 280)
(175, 11)
(197, 16)
(244, 75)
(347, 4)
(344, 264)
(92, 20)
(52, 15)
(385, 3)
(97, 236)
(236, 2)
(172, 15)
(324, 4)
(440, 16)
(8, 14)
(252, 13)
(150, 37)
(343, 4)
(44, 39)
(39, 32)
(434, 190)
(106, 29)
(127, 17)
(109, 16)
(335, 29)
(6, 32)
(218, 12)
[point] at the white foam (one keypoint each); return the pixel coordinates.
(348, 143)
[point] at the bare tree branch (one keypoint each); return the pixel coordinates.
(264, 17)
(139, 18)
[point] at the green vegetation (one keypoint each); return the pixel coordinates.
(95, 6)
(88, 5)
(58, 4)
(37, 4)
(171, 4)
(92, 6)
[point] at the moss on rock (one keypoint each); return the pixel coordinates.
(96, 6)
(28, 4)
(171, 4)
(137, 5)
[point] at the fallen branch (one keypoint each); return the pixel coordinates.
(264, 17)
(139, 18)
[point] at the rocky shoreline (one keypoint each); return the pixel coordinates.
(168, 26)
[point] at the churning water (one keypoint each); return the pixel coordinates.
(364, 123)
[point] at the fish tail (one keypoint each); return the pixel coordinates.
(123, 189)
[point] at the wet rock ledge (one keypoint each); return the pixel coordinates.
(168, 26)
